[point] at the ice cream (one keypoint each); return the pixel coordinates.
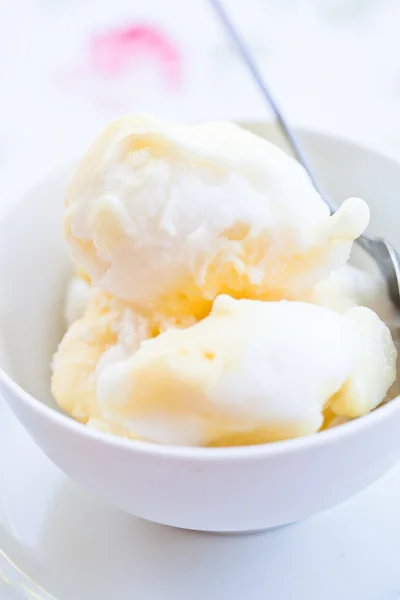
(108, 330)
(212, 305)
(351, 286)
(251, 370)
(76, 297)
(168, 217)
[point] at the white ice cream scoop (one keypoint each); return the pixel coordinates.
(168, 216)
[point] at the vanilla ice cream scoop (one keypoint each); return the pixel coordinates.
(350, 286)
(102, 330)
(250, 372)
(107, 331)
(167, 217)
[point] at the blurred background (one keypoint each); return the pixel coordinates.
(69, 66)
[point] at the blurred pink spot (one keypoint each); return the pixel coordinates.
(112, 53)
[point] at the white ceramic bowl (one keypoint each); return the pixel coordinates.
(221, 489)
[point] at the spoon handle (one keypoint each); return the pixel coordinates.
(252, 66)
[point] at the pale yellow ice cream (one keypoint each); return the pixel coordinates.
(107, 328)
(167, 217)
(250, 372)
(207, 309)
(76, 298)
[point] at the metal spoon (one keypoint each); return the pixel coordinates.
(385, 256)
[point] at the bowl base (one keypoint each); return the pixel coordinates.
(239, 533)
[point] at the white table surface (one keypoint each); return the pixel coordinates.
(335, 66)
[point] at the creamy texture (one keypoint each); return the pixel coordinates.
(98, 361)
(169, 216)
(250, 372)
(76, 299)
(223, 377)
(212, 303)
(108, 331)
(350, 286)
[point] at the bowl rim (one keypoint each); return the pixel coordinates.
(270, 449)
